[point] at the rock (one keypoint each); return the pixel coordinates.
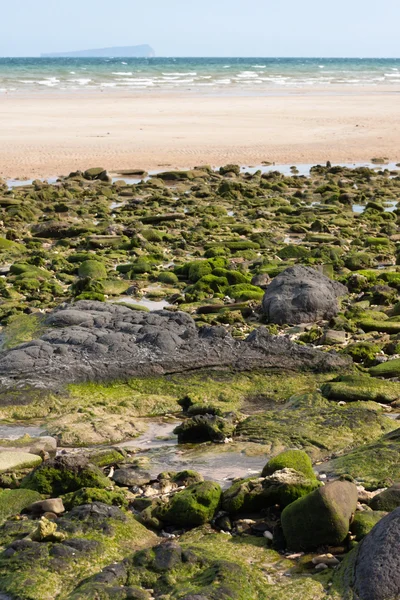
(47, 532)
(90, 495)
(301, 295)
(261, 280)
(36, 446)
(17, 461)
(12, 502)
(321, 518)
(95, 341)
(332, 337)
(326, 559)
(192, 506)
(374, 465)
(204, 428)
(291, 459)
(315, 424)
(352, 388)
(131, 476)
(53, 505)
(364, 522)
(282, 488)
(63, 474)
(387, 500)
(376, 562)
(96, 173)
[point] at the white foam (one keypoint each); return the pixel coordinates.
(124, 63)
(259, 66)
(80, 81)
(122, 73)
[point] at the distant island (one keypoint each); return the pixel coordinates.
(143, 51)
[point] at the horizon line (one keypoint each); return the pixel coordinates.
(202, 56)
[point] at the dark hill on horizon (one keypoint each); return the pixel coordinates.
(143, 51)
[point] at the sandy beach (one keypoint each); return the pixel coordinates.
(47, 134)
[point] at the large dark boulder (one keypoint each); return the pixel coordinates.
(301, 295)
(101, 342)
(372, 571)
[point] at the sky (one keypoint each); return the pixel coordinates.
(257, 28)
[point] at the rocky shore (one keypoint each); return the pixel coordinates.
(275, 354)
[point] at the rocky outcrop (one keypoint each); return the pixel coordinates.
(374, 569)
(301, 295)
(99, 342)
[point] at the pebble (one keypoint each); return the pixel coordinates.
(325, 559)
(321, 567)
(268, 535)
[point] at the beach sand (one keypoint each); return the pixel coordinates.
(50, 134)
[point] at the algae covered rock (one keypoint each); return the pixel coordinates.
(374, 465)
(192, 506)
(95, 535)
(365, 521)
(12, 502)
(301, 295)
(352, 388)
(204, 428)
(65, 474)
(290, 459)
(321, 518)
(90, 495)
(11, 461)
(280, 488)
(316, 425)
(387, 500)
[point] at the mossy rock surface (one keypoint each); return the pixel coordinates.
(387, 500)
(388, 369)
(192, 506)
(12, 502)
(93, 269)
(12, 461)
(89, 495)
(316, 425)
(96, 535)
(290, 459)
(65, 474)
(374, 465)
(256, 494)
(321, 518)
(364, 521)
(352, 388)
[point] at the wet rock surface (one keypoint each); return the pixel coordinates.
(97, 341)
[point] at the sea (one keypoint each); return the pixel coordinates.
(215, 75)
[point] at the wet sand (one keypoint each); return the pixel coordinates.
(48, 134)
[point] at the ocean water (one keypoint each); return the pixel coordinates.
(199, 74)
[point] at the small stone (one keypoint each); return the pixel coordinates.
(52, 505)
(321, 567)
(326, 559)
(268, 535)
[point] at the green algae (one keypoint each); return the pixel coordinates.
(291, 459)
(12, 502)
(352, 388)
(315, 425)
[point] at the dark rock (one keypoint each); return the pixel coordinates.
(261, 280)
(99, 342)
(167, 556)
(131, 476)
(377, 563)
(301, 295)
(204, 428)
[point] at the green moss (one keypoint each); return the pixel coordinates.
(245, 291)
(364, 521)
(381, 326)
(362, 352)
(21, 328)
(93, 269)
(54, 479)
(12, 502)
(391, 368)
(352, 388)
(316, 425)
(193, 506)
(168, 277)
(374, 465)
(291, 459)
(90, 495)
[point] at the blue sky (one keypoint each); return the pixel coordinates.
(204, 27)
